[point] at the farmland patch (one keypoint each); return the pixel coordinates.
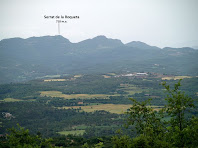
(112, 108)
(52, 80)
(72, 132)
(72, 96)
(11, 100)
(175, 77)
(131, 89)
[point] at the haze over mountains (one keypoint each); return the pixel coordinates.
(25, 59)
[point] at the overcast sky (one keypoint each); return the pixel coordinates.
(155, 22)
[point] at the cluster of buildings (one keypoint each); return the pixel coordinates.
(133, 75)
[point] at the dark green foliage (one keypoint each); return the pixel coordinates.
(21, 138)
(145, 119)
(48, 120)
(122, 141)
(154, 131)
(177, 106)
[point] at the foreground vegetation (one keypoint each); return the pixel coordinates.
(96, 109)
(153, 130)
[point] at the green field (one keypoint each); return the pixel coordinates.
(80, 127)
(131, 89)
(16, 100)
(72, 132)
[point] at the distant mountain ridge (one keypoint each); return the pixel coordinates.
(141, 45)
(25, 59)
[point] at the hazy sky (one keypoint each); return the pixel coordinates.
(156, 22)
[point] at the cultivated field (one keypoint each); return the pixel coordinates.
(77, 76)
(113, 108)
(11, 100)
(106, 76)
(175, 77)
(131, 89)
(72, 132)
(52, 80)
(72, 96)
(51, 76)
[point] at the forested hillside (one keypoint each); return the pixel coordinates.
(35, 57)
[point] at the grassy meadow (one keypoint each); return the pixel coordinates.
(175, 77)
(113, 108)
(72, 96)
(72, 132)
(11, 100)
(131, 89)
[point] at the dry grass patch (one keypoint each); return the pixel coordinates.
(77, 76)
(72, 96)
(54, 80)
(112, 74)
(175, 77)
(113, 108)
(105, 76)
(11, 100)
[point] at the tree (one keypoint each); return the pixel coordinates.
(153, 131)
(144, 118)
(147, 123)
(177, 106)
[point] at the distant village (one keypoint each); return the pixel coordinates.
(140, 75)
(133, 74)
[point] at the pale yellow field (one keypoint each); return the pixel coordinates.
(113, 74)
(11, 100)
(82, 96)
(77, 76)
(175, 77)
(113, 108)
(52, 80)
(105, 76)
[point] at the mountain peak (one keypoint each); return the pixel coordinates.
(100, 37)
(101, 41)
(142, 45)
(56, 38)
